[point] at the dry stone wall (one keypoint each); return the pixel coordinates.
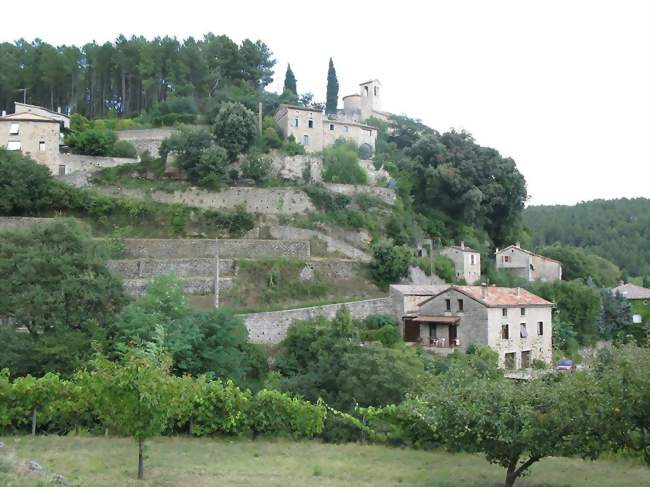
(146, 139)
(155, 248)
(271, 327)
(21, 223)
(201, 285)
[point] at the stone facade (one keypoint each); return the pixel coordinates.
(527, 265)
(146, 140)
(311, 128)
(467, 262)
(70, 163)
(513, 322)
(155, 248)
(271, 327)
(34, 135)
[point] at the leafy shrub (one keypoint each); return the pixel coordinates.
(24, 184)
(92, 142)
(375, 322)
(365, 151)
(388, 335)
(222, 409)
(342, 164)
(389, 263)
(292, 148)
(277, 414)
(327, 200)
(123, 148)
(256, 167)
(235, 128)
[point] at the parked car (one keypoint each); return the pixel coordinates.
(565, 365)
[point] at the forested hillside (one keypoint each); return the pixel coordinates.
(618, 230)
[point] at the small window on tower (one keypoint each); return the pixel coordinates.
(295, 122)
(365, 90)
(311, 124)
(14, 129)
(376, 90)
(331, 126)
(41, 146)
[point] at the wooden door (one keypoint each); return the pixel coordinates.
(453, 334)
(411, 331)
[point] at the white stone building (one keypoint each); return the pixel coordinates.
(528, 265)
(512, 321)
(467, 262)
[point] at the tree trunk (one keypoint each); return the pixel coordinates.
(34, 422)
(140, 459)
(511, 475)
(123, 93)
(191, 424)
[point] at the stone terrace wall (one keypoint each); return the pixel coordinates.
(146, 139)
(191, 285)
(155, 248)
(78, 162)
(272, 326)
(21, 223)
(255, 200)
(386, 195)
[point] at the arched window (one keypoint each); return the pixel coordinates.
(365, 91)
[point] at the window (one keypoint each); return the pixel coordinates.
(62, 173)
(13, 146)
(305, 139)
(540, 328)
(331, 126)
(345, 129)
(505, 332)
(432, 330)
(472, 259)
(460, 305)
(523, 332)
(295, 122)
(525, 359)
(41, 146)
(14, 129)
(510, 360)
(376, 90)
(448, 304)
(523, 311)
(506, 258)
(504, 312)
(365, 90)
(311, 124)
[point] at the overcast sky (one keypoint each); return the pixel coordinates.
(561, 86)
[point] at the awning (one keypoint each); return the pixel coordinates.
(449, 320)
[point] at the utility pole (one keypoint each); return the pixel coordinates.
(216, 273)
(24, 90)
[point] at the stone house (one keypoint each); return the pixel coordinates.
(528, 265)
(467, 262)
(511, 321)
(37, 136)
(62, 118)
(314, 130)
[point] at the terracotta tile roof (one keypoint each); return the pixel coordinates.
(498, 297)
(632, 291)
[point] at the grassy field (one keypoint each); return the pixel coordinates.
(205, 462)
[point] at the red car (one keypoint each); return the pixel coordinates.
(565, 365)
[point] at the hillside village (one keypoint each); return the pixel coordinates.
(270, 239)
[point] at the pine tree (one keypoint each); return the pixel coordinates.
(290, 82)
(332, 90)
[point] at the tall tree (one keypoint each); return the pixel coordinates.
(332, 98)
(290, 81)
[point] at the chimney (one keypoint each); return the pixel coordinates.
(518, 291)
(484, 290)
(58, 109)
(518, 245)
(4, 113)
(462, 244)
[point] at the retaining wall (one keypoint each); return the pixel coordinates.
(386, 195)
(202, 248)
(146, 139)
(191, 285)
(271, 327)
(21, 222)
(78, 162)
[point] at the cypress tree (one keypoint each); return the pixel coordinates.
(290, 82)
(332, 90)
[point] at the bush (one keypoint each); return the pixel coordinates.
(277, 414)
(342, 164)
(92, 142)
(389, 263)
(293, 148)
(256, 167)
(235, 128)
(388, 335)
(326, 200)
(365, 151)
(375, 322)
(124, 148)
(24, 184)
